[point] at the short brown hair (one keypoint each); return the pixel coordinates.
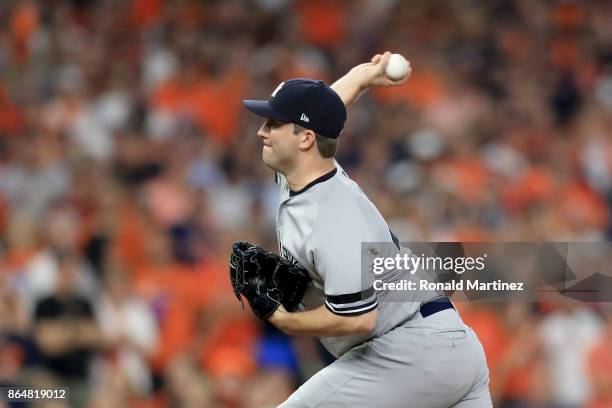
(326, 146)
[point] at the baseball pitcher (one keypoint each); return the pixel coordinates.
(416, 353)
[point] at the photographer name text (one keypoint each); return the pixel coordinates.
(423, 284)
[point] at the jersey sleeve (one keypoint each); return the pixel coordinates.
(336, 250)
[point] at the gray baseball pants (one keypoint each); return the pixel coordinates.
(433, 362)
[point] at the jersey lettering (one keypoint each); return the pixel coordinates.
(394, 239)
(287, 255)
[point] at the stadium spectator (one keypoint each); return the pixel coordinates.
(67, 333)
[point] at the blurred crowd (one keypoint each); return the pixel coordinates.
(128, 166)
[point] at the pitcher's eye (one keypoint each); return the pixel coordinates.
(272, 124)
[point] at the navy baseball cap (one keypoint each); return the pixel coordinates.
(309, 103)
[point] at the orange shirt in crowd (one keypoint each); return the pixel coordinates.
(177, 294)
(487, 325)
(425, 88)
(16, 260)
(568, 16)
(215, 106)
(218, 106)
(11, 118)
(24, 22)
(129, 244)
(497, 343)
(466, 177)
(229, 341)
(230, 350)
(582, 206)
(468, 233)
(564, 53)
(146, 12)
(167, 290)
(600, 371)
(323, 23)
(533, 186)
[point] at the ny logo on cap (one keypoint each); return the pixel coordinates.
(304, 118)
(277, 89)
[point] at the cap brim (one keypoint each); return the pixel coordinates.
(263, 108)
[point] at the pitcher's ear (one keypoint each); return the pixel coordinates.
(307, 139)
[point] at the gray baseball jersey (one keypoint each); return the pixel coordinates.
(322, 227)
(408, 360)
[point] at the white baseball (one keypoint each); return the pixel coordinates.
(397, 68)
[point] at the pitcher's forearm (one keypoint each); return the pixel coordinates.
(349, 87)
(321, 322)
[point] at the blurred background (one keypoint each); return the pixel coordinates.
(128, 166)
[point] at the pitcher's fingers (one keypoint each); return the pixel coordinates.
(384, 60)
(376, 58)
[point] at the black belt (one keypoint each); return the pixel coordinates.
(435, 306)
